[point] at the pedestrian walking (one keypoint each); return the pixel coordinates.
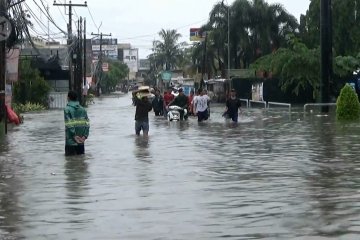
(77, 126)
(190, 103)
(143, 107)
(201, 105)
(233, 105)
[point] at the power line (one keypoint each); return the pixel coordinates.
(92, 18)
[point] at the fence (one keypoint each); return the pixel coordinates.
(318, 105)
(257, 102)
(57, 100)
(246, 101)
(288, 105)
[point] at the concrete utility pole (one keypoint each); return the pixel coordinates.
(3, 120)
(326, 51)
(71, 71)
(84, 62)
(100, 58)
(79, 62)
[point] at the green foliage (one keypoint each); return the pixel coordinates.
(297, 67)
(31, 87)
(27, 107)
(346, 30)
(344, 66)
(117, 74)
(347, 105)
(89, 99)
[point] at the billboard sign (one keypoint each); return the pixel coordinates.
(131, 59)
(108, 47)
(196, 34)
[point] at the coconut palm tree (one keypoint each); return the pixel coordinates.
(167, 51)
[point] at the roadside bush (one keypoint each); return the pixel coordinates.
(89, 99)
(27, 107)
(347, 105)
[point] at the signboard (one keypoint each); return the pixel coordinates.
(105, 67)
(108, 47)
(166, 76)
(104, 47)
(196, 34)
(131, 59)
(104, 41)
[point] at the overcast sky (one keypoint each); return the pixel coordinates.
(139, 21)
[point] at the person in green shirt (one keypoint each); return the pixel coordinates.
(77, 126)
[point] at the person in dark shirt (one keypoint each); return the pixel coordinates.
(168, 97)
(157, 104)
(181, 101)
(143, 107)
(233, 105)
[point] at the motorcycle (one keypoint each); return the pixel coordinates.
(174, 113)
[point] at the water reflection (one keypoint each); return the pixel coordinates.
(77, 181)
(142, 148)
(10, 210)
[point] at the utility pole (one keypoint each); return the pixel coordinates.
(79, 62)
(69, 41)
(326, 51)
(3, 26)
(100, 59)
(84, 62)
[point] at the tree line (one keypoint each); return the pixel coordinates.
(267, 38)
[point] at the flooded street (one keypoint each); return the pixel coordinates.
(275, 175)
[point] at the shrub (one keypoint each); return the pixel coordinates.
(347, 104)
(28, 107)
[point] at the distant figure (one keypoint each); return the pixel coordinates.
(201, 105)
(158, 103)
(168, 97)
(208, 102)
(143, 107)
(190, 105)
(77, 126)
(233, 106)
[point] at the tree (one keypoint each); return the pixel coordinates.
(297, 67)
(345, 23)
(118, 72)
(256, 29)
(167, 51)
(31, 87)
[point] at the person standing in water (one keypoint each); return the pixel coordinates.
(233, 105)
(143, 107)
(77, 126)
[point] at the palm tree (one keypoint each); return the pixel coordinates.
(167, 51)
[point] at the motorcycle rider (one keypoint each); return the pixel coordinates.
(182, 101)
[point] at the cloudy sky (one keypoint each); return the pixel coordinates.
(139, 21)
